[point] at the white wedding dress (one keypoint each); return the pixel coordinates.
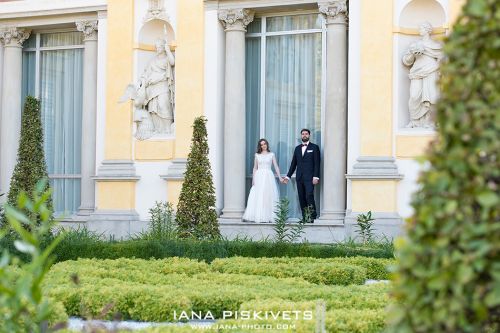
(264, 195)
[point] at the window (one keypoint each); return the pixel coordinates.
(284, 66)
(53, 72)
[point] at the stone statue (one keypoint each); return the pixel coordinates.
(423, 56)
(154, 95)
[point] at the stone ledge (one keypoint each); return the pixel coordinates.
(117, 170)
(176, 170)
(375, 167)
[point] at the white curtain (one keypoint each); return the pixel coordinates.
(292, 93)
(60, 93)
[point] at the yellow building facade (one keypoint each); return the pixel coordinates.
(254, 69)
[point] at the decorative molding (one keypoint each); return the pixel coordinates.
(102, 14)
(176, 170)
(211, 4)
(415, 32)
(13, 36)
(334, 11)
(374, 168)
(117, 170)
(156, 11)
(235, 19)
(89, 29)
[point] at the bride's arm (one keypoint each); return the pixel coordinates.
(255, 167)
(276, 167)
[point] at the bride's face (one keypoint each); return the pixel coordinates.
(263, 146)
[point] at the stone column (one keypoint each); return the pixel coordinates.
(234, 22)
(335, 135)
(89, 30)
(12, 39)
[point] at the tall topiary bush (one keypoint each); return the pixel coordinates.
(196, 215)
(448, 273)
(30, 167)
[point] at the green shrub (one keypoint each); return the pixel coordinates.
(83, 243)
(23, 307)
(448, 274)
(376, 269)
(364, 227)
(322, 272)
(196, 216)
(284, 231)
(30, 168)
(161, 223)
(143, 290)
(207, 250)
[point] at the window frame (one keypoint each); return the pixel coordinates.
(263, 34)
(38, 52)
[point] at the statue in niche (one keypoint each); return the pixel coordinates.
(423, 56)
(154, 95)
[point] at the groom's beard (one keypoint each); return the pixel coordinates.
(305, 140)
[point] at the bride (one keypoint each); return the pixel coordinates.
(264, 196)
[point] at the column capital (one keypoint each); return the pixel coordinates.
(334, 11)
(235, 19)
(89, 29)
(13, 36)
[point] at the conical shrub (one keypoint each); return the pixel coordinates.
(31, 166)
(196, 216)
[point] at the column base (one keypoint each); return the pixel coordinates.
(232, 214)
(336, 216)
(85, 211)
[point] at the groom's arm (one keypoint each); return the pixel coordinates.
(317, 160)
(293, 165)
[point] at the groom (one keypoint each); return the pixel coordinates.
(306, 159)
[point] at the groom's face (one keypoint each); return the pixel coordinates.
(305, 136)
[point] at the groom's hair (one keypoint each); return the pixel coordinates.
(306, 130)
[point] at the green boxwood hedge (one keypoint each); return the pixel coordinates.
(153, 289)
(337, 271)
(72, 249)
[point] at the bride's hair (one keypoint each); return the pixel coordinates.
(259, 148)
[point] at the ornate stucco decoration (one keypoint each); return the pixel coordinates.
(13, 36)
(156, 11)
(88, 28)
(235, 19)
(334, 11)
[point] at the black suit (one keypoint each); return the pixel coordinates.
(307, 166)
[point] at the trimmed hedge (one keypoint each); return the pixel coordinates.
(338, 321)
(147, 290)
(207, 250)
(337, 271)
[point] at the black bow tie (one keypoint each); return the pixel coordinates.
(304, 144)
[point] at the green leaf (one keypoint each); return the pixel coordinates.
(488, 199)
(24, 247)
(493, 297)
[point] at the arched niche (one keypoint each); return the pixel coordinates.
(154, 29)
(417, 11)
(411, 16)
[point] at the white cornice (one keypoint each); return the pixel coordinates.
(255, 4)
(40, 8)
